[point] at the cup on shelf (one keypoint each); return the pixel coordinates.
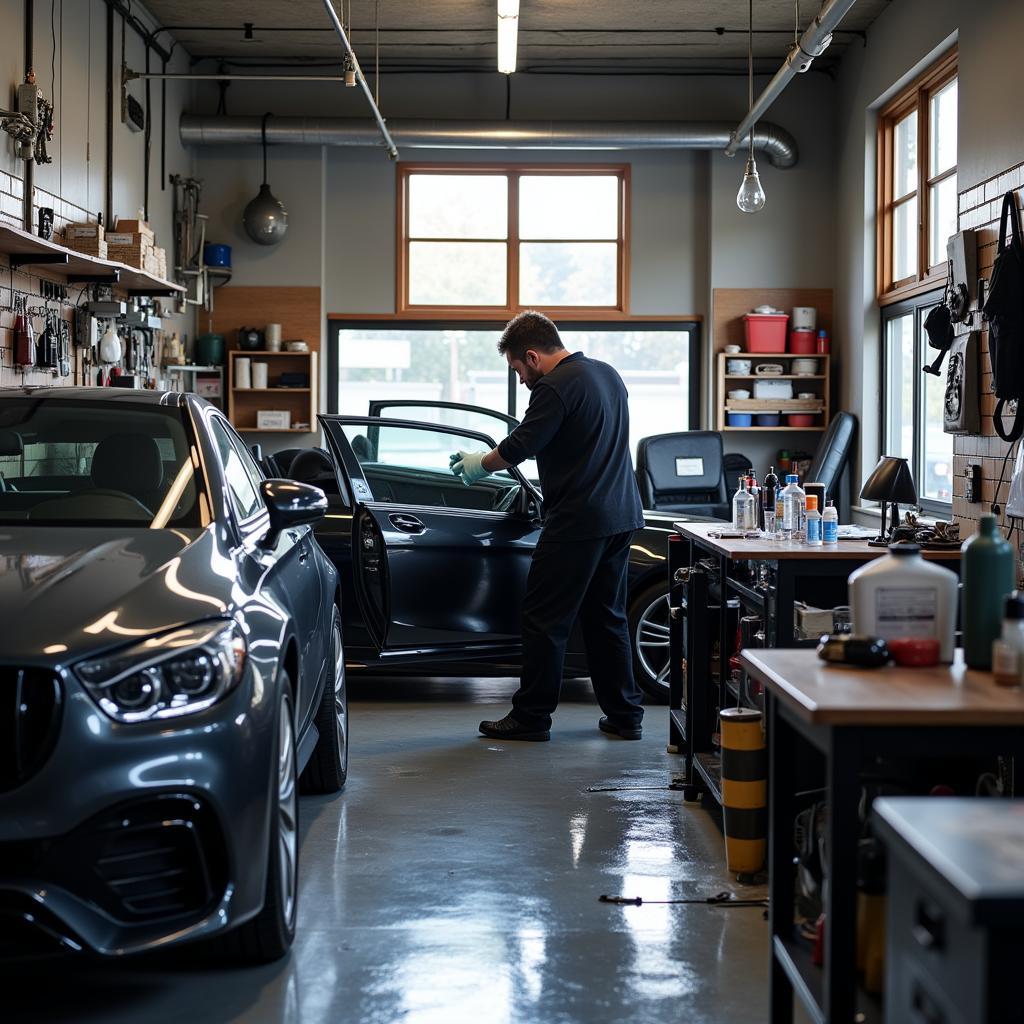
(739, 393)
(738, 367)
(259, 376)
(732, 349)
(243, 373)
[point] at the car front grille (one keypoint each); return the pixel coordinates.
(30, 710)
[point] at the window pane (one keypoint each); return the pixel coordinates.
(901, 372)
(943, 111)
(423, 459)
(942, 218)
(655, 367)
(568, 273)
(904, 240)
(458, 206)
(569, 206)
(905, 156)
(246, 498)
(457, 273)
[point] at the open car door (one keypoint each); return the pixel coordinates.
(440, 568)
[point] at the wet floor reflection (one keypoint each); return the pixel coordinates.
(457, 880)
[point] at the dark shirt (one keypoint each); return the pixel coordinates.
(577, 426)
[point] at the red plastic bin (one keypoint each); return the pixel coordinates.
(766, 332)
(802, 343)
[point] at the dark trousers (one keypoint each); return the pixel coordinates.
(585, 578)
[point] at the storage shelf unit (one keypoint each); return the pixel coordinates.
(300, 403)
(818, 383)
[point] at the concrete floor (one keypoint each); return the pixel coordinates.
(457, 879)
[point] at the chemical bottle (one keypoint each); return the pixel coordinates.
(743, 517)
(1008, 650)
(900, 596)
(755, 493)
(988, 576)
(822, 342)
(792, 506)
(830, 524)
(813, 521)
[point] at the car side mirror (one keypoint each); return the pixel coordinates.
(290, 503)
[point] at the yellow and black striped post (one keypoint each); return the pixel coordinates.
(744, 789)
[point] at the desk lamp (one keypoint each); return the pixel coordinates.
(890, 481)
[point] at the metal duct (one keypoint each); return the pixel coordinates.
(196, 130)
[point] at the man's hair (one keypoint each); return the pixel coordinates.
(529, 330)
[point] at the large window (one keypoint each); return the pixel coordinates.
(438, 362)
(500, 239)
(917, 182)
(913, 402)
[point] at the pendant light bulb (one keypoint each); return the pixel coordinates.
(751, 197)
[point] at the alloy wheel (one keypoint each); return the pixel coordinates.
(651, 640)
(287, 817)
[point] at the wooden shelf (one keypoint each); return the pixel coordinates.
(260, 353)
(271, 391)
(301, 402)
(15, 242)
(782, 405)
(817, 382)
(776, 430)
(775, 376)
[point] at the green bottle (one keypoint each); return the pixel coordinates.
(987, 569)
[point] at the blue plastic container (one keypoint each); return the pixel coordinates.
(215, 255)
(738, 419)
(767, 419)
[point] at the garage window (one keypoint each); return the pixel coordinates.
(917, 182)
(501, 238)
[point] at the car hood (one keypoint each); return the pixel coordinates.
(67, 592)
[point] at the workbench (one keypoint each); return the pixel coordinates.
(845, 716)
(817, 575)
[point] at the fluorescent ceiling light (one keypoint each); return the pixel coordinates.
(508, 33)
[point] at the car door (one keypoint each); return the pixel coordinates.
(440, 568)
(457, 415)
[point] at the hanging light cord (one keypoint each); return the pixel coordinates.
(750, 70)
(263, 136)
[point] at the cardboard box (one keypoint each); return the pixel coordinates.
(208, 387)
(136, 227)
(76, 232)
(132, 256)
(125, 238)
(88, 247)
(810, 622)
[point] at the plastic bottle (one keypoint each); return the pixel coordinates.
(792, 506)
(813, 521)
(755, 493)
(901, 596)
(988, 576)
(823, 343)
(1008, 650)
(830, 524)
(743, 517)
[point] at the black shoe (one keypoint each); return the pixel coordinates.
(508, 728)
(626, 732)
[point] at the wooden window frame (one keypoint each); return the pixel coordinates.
(514, 172)
(915, 97)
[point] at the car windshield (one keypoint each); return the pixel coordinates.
(67, 462)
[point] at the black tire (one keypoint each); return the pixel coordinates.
(327, 769)
(268, 936)
(649, 661)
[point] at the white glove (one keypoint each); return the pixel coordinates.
(468, 466)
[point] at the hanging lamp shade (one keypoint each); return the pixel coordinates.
(265, 219)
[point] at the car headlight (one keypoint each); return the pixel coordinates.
(177, 673)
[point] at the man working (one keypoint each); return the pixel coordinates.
(577, 426)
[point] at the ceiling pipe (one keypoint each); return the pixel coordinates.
(813, 43)
(361, 79)
(216, 130)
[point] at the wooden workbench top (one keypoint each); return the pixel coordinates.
(824, 694)
(738, 548)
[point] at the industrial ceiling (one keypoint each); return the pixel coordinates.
(555, 36)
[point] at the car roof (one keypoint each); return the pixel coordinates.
(124, 396)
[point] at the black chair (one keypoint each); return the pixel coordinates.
(832, 457)
(683, 473)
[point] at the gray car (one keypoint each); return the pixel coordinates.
(170, 662)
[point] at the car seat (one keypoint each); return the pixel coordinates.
(683, 473)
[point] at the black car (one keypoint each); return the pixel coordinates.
(171, 660)
(433, 571)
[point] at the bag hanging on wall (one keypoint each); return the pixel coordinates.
(961, 413)
(1004, 310)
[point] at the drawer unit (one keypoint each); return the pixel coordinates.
(955, 928)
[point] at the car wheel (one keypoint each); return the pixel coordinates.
(268, 936)
(648, 634)
(327, 769)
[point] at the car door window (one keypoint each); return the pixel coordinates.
(411, 465)
(456, 417)
(244, 492)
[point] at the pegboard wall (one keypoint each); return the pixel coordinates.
(979, 209)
